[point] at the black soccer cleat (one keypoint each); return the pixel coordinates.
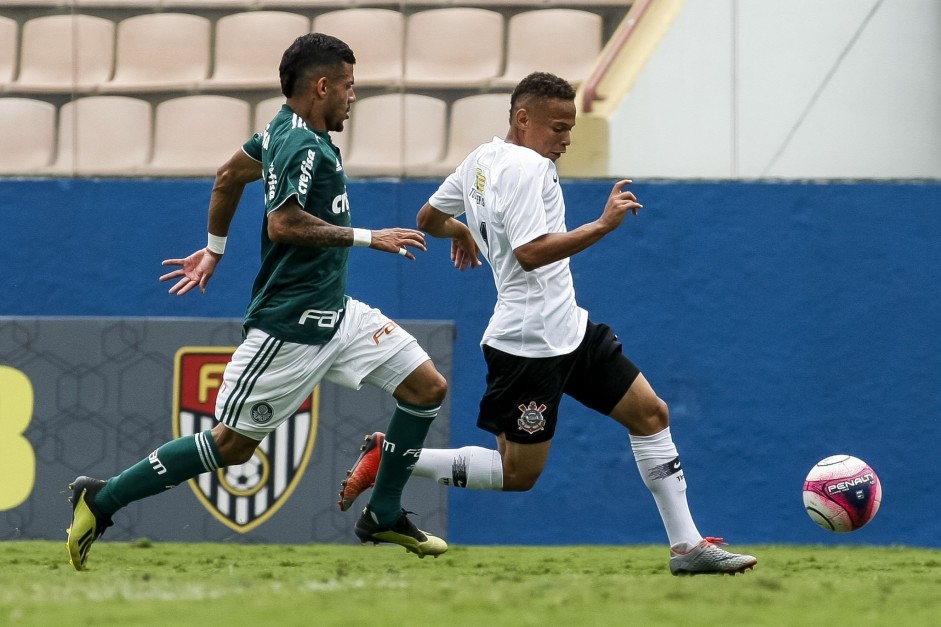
(403, 532)
(87, 522)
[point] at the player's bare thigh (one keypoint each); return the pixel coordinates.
(641, 410)
(522, 463)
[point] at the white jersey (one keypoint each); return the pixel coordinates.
(511, 196)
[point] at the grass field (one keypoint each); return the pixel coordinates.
(175, 585)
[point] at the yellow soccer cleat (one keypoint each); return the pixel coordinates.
(403, 532)
(87, 523)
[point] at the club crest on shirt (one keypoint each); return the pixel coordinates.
(480, 182)
(531, 420)
(243, 496)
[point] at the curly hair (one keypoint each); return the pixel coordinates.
(541, 85)
(310, 52)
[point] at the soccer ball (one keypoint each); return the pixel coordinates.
(842, 493)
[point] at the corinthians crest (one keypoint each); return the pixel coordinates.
(531, 420)
(245, 496)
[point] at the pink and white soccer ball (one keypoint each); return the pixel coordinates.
(842, 493)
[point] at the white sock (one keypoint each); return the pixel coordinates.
(471, 467)
(659, 466)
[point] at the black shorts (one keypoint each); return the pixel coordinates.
(523, 393)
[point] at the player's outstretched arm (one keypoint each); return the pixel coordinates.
(198, 268)
(464, 251)
(194, 270)
(553, 247)
(398, 241)
(619, 202)
(290, 224)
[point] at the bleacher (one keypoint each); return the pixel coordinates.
(171, 88)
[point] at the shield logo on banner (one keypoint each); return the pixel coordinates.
(245, 496)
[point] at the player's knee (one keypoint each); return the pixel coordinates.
(650, 417)
(438, 388)
(654, 418)
(660, 414)
(433, 389)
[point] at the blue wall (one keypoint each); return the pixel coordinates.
(781, 322)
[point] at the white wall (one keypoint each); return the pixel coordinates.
(794, 89)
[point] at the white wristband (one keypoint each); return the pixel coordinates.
(216, 244)
(362, 237)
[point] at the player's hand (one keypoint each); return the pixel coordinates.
(620, 201)
(464, 252)
(195, 270)
(398, 241)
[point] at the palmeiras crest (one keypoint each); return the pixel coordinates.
(245, 496)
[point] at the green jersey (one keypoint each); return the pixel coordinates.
(299, 293)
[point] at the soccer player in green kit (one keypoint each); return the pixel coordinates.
(300, 326)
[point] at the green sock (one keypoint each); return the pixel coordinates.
(401, 448)
(168, 466)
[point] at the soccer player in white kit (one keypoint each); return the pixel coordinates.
(539, 343)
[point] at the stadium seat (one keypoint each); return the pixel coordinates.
(533, 43)
(377, 39)
(64, 54)
(194, 135)
(197, 5)
(30, 126)
(160, 52)
(8, 40)
(393, 133)
(103, 135)
(499, 4)
(111, 4)
(457, 47)
(590, 3)
(249, 46)
(475, 120)
(316, 4)
(264, 111)
(33, 4)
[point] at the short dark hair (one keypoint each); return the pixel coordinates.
(541, 85)
(309, 52)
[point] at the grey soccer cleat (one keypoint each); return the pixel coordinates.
(706, 558)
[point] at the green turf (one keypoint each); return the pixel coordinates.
(176, 585)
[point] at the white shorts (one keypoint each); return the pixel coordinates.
(268, 379)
